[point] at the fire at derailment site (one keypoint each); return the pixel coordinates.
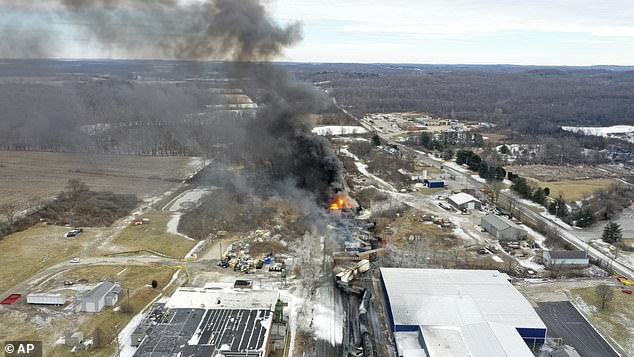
(277, 178)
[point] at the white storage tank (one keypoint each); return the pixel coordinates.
(46, 299)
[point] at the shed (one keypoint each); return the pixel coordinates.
(566, 258)
(45, 299)
(434, 183)
(464, 201)
(502, 229)
(105, 294)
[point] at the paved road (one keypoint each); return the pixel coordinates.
(506, 197)
(563, 320)
(42, 276)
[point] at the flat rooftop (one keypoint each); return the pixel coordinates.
(460, 312)
(222, 298)
(193, 323)
(456, 297)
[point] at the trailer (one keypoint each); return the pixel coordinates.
(46, 299)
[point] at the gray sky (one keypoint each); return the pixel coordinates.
(555, 32)
(571, 32)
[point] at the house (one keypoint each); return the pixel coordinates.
(434, 183)
(565, 259)
(105, 294)
(464, 201)
(502, 229)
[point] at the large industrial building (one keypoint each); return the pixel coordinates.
(475, 313)
(502, 229)
(209, 322)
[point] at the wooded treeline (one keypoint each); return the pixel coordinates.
(532, 101)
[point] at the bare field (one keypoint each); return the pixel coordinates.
(494, 138)
(575, 190)
(549, 173)
(25, 175)
(49, 323)
(25, 253)
(152, 236)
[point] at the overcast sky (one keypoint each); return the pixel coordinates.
(539, 32)
(548, 32)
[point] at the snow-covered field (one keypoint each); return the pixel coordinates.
(336, 130)
(625, 132)
(188, 199)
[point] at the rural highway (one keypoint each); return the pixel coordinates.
(506, 197)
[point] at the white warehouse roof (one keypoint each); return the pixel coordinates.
(461, 312)
(462, 198)
(195, 298)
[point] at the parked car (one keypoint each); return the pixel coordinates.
(73, 232)
(75, 260)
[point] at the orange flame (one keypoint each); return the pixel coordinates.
(339, 202)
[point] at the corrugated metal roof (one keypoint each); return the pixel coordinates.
(499, 223)
(567, 254)
(462, 198)
(99, 291)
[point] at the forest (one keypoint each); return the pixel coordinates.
(531, 100)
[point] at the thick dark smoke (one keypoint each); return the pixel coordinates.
(238, 31)
(235, 30)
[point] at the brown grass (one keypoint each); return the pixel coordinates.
(153, 236)
(136, 278)
(25, 253)
(25, 176)
(575, 190)
(615, 321)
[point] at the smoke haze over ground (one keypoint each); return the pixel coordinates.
(239, 31)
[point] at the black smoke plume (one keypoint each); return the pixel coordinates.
(238, 31)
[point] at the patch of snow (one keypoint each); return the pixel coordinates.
(188, 199)
(174, 277)
(478, 178)
(625, 132)
(172, 226)
(344, 150)
(557, 221)
(125, 336)
(363, 168)
(346, 139)
(330, 130)
(530, 264)
(497, 259)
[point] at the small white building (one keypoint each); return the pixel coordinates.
(464, 201)
(45, 299)
(105, 294)
(565, 259)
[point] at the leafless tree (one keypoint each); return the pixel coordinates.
(605, 294)
(9, 210)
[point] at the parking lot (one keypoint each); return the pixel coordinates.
(563, 320)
